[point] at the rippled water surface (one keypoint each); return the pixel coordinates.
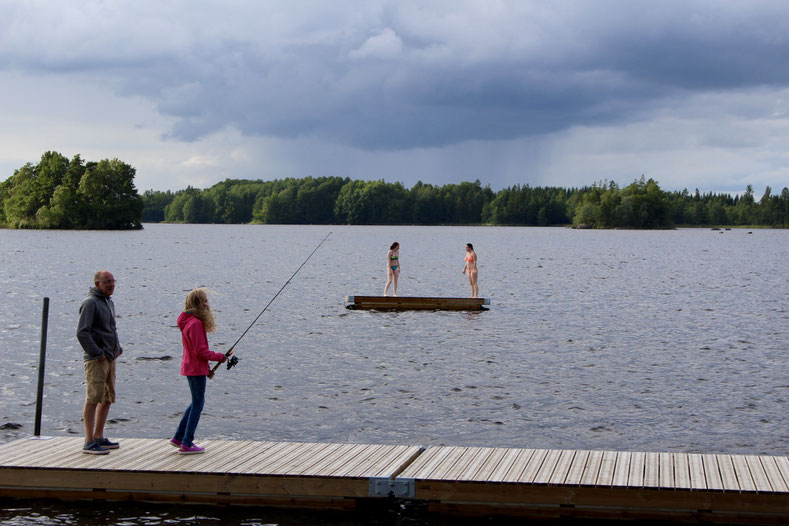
(626, 340)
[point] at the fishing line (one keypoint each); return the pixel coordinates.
(234, 360)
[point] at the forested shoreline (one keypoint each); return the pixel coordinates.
(336, 200)
(74, 194)
(71, 194)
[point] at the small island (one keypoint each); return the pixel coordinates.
(71, 194)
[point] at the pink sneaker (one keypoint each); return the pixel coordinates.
(176, 443)
(191, 450)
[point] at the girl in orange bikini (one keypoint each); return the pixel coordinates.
(471, 267)
(392, 267)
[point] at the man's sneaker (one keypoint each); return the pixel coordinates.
(93, 448)
(176, 443)
(106, 444)
(190, 450)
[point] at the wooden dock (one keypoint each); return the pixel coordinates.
(415, 303)
(726, 489)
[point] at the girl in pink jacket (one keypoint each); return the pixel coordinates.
(194, 322)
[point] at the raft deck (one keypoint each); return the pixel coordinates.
(459, 480)
(415, 303)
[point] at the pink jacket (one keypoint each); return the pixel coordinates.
(196, 351)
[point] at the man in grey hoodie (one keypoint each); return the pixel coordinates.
(99, 340)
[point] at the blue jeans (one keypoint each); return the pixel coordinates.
(188, 425)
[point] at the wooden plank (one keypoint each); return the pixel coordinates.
(652, 470)
(173, 462)
(515, 465)
(15, 450)
(315, 466)
(563, 466)
(293, 464)
(26, 452)
(260, 455)
(262, 465)
(426, 462)
(338, 460)
(23, 451)
(245, 454)
(441, 470)
(151, 455)
(223, 459)
(743, 473)
(606, 475)
(503, 466)
(698, 479)
(681, 470)
(576, 471)
(774, 474)
(491, 464)
(637, 470)
(760, 478)
(592, 468)
(55, 451)
(361, 464)
(621, 469)
(394, 462)
(472, 470)
(463, 463)
(532, 467)
(543, 474)
(782, 464)
(727, 472)
(309, 458)
(666, 470)
(370, 461)
(712, 472)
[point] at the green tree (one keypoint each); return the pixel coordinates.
(20, 203)
(372, 203)
(111, 200)
(154, 203)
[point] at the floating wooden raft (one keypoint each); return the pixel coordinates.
(708, 488)
(414, 303)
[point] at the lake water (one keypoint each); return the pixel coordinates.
(624, 340)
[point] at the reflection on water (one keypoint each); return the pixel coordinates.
(656, 341)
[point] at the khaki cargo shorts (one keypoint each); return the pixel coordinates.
(100, 379)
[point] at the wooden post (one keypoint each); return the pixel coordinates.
(41, 363)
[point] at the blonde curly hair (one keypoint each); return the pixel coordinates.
(197, 304)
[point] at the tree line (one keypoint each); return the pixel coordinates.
(71, 194)
(336, 200)
(62, 193)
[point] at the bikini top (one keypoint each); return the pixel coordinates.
(469, 258)
(395, 257)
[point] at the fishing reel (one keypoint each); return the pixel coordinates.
(232, 361)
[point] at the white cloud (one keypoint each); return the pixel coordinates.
(384, 45)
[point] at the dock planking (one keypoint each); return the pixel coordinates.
(399, 303)
(452, 479)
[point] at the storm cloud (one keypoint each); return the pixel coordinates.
(527, 79)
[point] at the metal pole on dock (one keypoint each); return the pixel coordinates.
(41, 363)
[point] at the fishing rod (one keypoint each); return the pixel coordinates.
(232, 361)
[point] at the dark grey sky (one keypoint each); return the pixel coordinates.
(690, 93)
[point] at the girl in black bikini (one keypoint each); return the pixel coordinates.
(392, 267)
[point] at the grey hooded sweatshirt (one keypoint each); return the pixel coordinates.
(96, 329)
